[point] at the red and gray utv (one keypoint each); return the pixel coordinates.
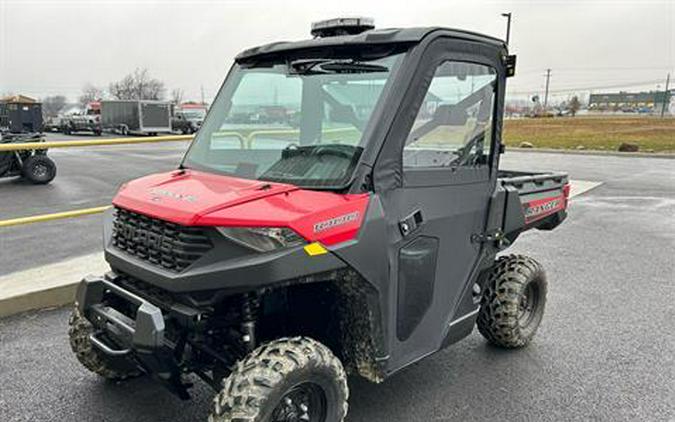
(339, 211)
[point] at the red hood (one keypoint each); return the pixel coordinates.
(194, 198)
(185, 196)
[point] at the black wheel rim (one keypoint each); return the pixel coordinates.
(40, 170)
(529, 302)
(305, 402)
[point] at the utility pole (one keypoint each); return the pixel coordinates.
(508, 26)
(666, 97)
(548, 80)
(202, 90)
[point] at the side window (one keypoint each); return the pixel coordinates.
(454, 124)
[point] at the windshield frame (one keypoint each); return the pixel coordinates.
(233, 80)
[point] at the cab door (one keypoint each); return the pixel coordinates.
(447, 166)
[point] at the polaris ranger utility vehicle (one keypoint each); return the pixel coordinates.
(33, 165)
(279, 256)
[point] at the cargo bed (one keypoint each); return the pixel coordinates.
(527, 200)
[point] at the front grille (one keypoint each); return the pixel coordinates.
(153, 294)
(161, 243)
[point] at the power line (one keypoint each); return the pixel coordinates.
(589, 88)
(599, 68)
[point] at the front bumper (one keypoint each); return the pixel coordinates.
(145, 332)
(136, 334)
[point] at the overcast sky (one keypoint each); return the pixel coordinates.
(55, 47)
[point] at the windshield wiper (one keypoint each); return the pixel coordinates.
(352, 67)
(335, 66)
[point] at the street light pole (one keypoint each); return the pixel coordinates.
(508, 26)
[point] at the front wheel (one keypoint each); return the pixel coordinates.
(287, 380)
(39, 169)
(91, 358)
(513, 302)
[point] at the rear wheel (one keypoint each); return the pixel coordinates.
(513, 301)
(91, 358)
(287, 380)
(39, 169)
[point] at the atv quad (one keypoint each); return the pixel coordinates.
(33, 165)
(339, 211)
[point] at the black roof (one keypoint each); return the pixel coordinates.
(372, 37)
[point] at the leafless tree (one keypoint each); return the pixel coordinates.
(138, 85)
(51, 106)
(177, 96)
(90, 93)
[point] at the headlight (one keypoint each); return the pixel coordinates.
(263, 239)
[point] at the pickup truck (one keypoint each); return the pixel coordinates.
(188, 118)
(87, 121)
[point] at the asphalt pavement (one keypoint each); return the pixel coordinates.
(604, 351)
(86, 177)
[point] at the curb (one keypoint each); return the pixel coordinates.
(49, 298)
(48, 286)
(666, 155)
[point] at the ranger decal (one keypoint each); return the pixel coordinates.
(540, 208)
(337, 221)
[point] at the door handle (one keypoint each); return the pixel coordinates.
(411, 223)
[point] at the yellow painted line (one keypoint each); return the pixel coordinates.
(93, 142)
(50, 217)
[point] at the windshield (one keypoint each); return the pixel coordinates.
(299, 122)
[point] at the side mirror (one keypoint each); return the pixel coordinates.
(510, 65)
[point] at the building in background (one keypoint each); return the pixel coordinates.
(637, 102)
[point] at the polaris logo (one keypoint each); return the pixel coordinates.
(141, 237)
(337, 221)
(174, 195)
